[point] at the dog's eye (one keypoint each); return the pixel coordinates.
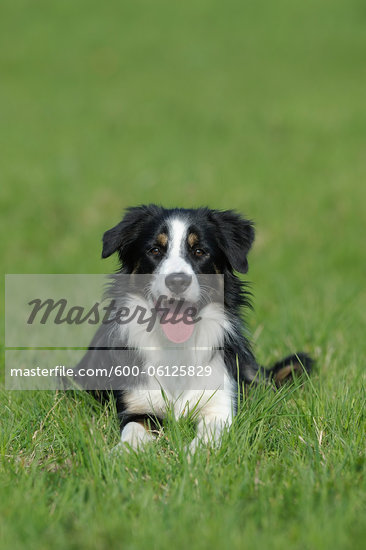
(199, 252)
(155, 251)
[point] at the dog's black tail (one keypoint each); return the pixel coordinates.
(290, 367)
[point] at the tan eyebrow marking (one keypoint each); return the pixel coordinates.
(137, 265)
(192, 239)
(162, 239)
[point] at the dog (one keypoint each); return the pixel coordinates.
(178, 250)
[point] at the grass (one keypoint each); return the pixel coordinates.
(258, 106)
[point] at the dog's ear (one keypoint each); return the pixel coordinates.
(235, 237)
(123, 235)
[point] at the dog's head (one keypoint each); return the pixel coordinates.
(151, 238)
(179, 247)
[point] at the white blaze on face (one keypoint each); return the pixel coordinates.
(175, 262)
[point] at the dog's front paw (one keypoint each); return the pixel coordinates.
(134, 437)
(209, 434)
(194, 445)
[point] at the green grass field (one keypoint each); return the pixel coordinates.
(258, 106)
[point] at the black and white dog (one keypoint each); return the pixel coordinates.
(178, 248)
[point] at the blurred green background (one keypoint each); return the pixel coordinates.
(258, 106)
(252, 105)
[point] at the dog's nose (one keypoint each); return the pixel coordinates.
(178, 282)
